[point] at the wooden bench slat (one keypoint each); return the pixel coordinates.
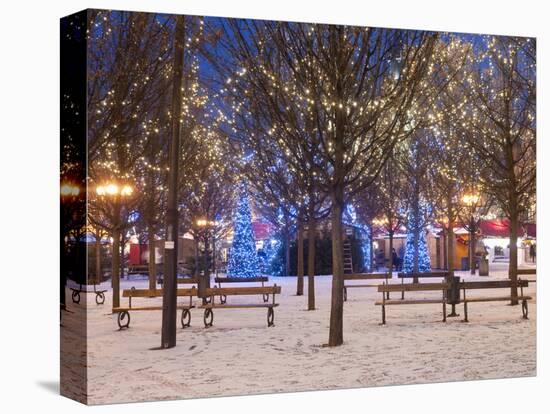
(491, 284)
(367, 276)
(147, 308)
(496, 299)
(147, 293)
(359, 286)
(527, 271)
(402, 275)
(413, 287)
(408, 302)
(237, 306)
(243, 290)
(241, 279)
(187, 281)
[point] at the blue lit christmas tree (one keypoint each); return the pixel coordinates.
(366, 247)
(424, 264)
(243, 258)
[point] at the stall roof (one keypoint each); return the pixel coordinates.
(501, 228)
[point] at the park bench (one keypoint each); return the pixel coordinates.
(257, 279)
(418, 275)
(527, 272)
(494, 284)
(240, 291)
(123, 318)
(363, 276)
(181, 280)
(142, 269)
(413, 287)
(99, 294)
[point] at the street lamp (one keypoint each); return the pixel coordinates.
(471, 200)
(69, 190)
(117, 193)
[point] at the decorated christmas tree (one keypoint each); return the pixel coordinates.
(366, 248)
(424, 264)
(243, 259)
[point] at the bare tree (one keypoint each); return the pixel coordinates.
(350, 89)
(502, 129)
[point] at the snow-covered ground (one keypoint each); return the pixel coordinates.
(241, 355)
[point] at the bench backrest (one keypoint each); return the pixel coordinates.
(413, 287)
(187, 281)
(527, 271)
(422, 274)
(241, 279)
(366, 276)
(492, 284)
(140, 266)
(147, 293)
(244, 290)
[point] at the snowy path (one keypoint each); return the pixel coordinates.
(240, 355)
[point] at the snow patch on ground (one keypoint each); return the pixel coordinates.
(240, 355)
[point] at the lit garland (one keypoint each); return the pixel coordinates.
(243, 259)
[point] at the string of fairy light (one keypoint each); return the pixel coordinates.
(129, 131)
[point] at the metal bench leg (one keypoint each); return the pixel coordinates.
(208, 317)
(345, 294)
(444, 311)
(185, 318)
(99, 298)
(383, 314)
(270, 317)
(75, 296)
(465, 312)
(120, 320)
(524, 309)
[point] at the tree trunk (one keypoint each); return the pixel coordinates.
(63, 268)
(287, 251)
(513, 267)
(416, 247)
(416, 234)
(169, 299)
(472, 247)
(205, 277)
(98, 258)
(300, 260)
(390, 234)
(311, 263)
(450, 250)
(214, 258)
(152, 259)
(371, 247)
(197, 268)
(115, 269)
(336, 332)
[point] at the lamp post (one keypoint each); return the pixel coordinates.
(69, 194)
(117, 194)
(471, 201)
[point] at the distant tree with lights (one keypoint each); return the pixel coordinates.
(417, 256)
(243, 258)
(500, 93)
(349, 89)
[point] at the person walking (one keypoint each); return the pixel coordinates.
(394, 259)
(532, 252)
